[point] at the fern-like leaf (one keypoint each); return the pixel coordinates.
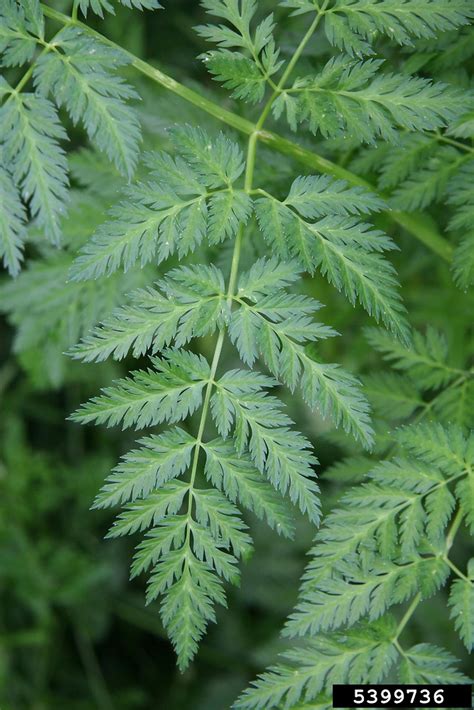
(169, 391)
(21, 25)
(346, 251)
(355, 98)
(79, 76)
(191, 303)
(173, 212)
(363, 654)
(352, 24)
(12, 223)
(381, 528)
(31, 135)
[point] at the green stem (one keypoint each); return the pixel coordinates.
(451, 141)
(249, 173)
(413, 223)
(453, 531)
(234, 270)
(202, 422)
(302, 46)
(406, 617)
(416, 601)
(167, 82)
(24, 80)
(29, 73)
(456, 570)
(248, 186)
(291, 65)
(449, 543)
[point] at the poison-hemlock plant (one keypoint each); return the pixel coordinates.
(225, 441)
(388, 541)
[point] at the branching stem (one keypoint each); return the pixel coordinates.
(249, 172)
(248, 187)
(416, 601)
(291, 65)
(412, 223)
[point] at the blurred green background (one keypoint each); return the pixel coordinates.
(74, 632)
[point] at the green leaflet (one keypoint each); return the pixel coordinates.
(174, 212)
(261, 428)
(426, 663)
(144, 513)
(347, 251)
(355, 98)
(170, 391)
(378, 535)
(369, 592)
(428, 184)
(79, 76)
(101, 6)
(277, 329)
(426, 358)
(461, 601)
(393, 396)
(236, 475)
(160, 459)
(351, 25)
(248, 72)
(306, 673)
(31, 148)
(461, 195)
(78, 72)
(12, 223)
(238, 73)
(49, 312)
(190, 304)
(20, 27)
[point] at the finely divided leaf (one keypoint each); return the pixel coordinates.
(21, 24)
(170, 390)
(355, 98)
(348, 253)
(12, 223)
(80, 75)
(191, 303)
(30, 137)
(461, 601)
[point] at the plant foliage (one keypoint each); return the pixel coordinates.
(200, 271)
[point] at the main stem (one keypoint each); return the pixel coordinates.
(234, 271)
